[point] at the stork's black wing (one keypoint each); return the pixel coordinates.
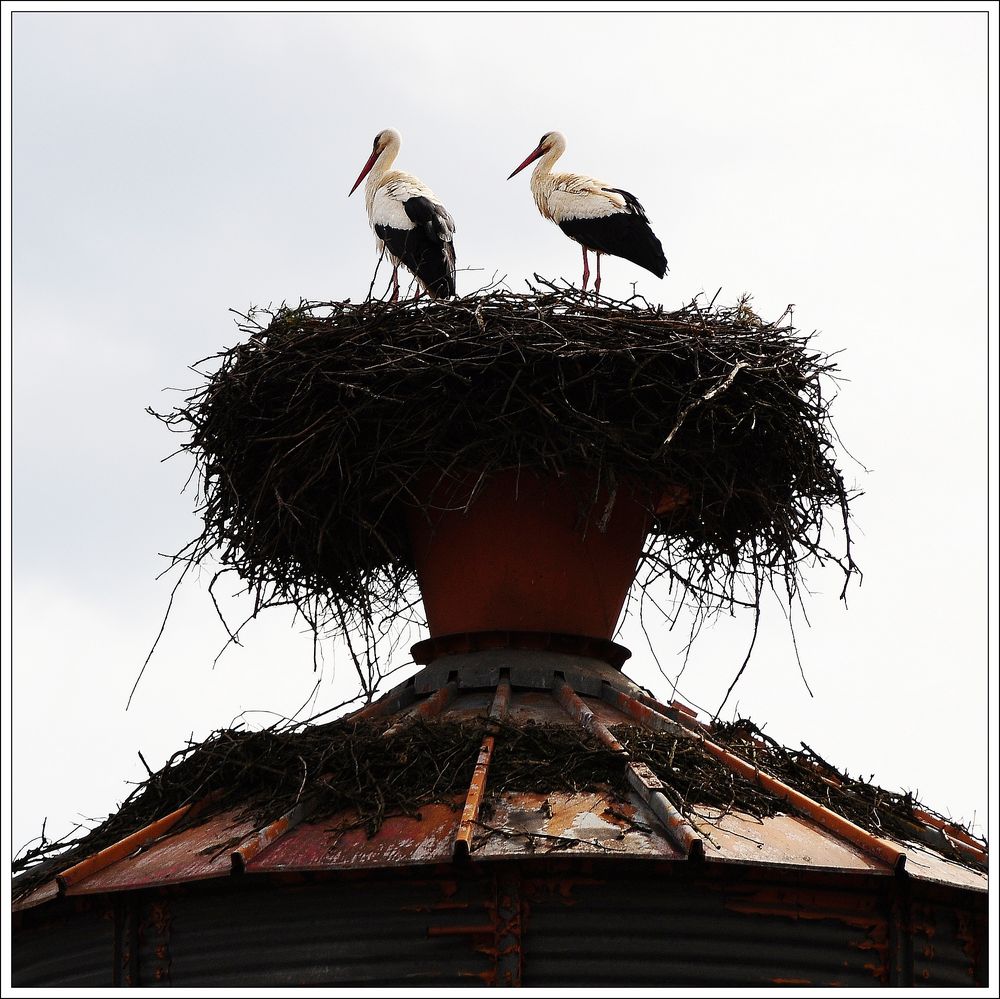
(428, 249)
(622, 234)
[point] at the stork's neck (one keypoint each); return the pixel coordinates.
(542, 180)
(547, 162)
(385, 160)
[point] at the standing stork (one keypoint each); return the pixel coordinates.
(600, 218)
(409, 221)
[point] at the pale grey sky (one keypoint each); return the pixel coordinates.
(168, 167)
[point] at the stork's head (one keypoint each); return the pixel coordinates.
(387, 139)
(549, 142)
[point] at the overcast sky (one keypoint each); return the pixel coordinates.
(168, 167)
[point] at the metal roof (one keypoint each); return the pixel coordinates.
(549, 688)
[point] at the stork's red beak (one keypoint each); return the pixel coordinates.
(531, 159)
(368, 166)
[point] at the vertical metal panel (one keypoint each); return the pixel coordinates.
(74, 949)
(664, 932)
(125, 970)
(509, 925)
(155, 945)
(945, 948)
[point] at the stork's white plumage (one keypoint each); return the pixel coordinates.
(409, 221)
(599, 217)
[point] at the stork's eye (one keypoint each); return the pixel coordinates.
(544, 138)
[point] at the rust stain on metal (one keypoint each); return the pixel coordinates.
(261, 839)
(966, 934)
(859, 912)
(427, 708)
(577, 709)
(642, 713)
(438, 907)
(461, 930)
(877, 941)
(463, 838)
(447, 888)
(546, 890)
(126, 940)
(157, 928)
(508, 919)
(651, 789)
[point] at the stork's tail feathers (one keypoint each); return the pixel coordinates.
(658, 263)
(436, 272)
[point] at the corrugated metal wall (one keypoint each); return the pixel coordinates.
(74, 948)
(542, 924)
(607, 934)
(328, 934)
(946, 946)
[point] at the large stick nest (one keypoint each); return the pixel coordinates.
(310, 435)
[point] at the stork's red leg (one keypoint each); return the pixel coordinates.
(586, 268)
(597, 280)
(395, 284)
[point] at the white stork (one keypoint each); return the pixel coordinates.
(599, 217)
(408, 220)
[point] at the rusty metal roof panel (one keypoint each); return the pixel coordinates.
(561, 823)
(537, 707)
(45, 892)
(199, 852)
(422, 839)
(787, 840)
(926, 865)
